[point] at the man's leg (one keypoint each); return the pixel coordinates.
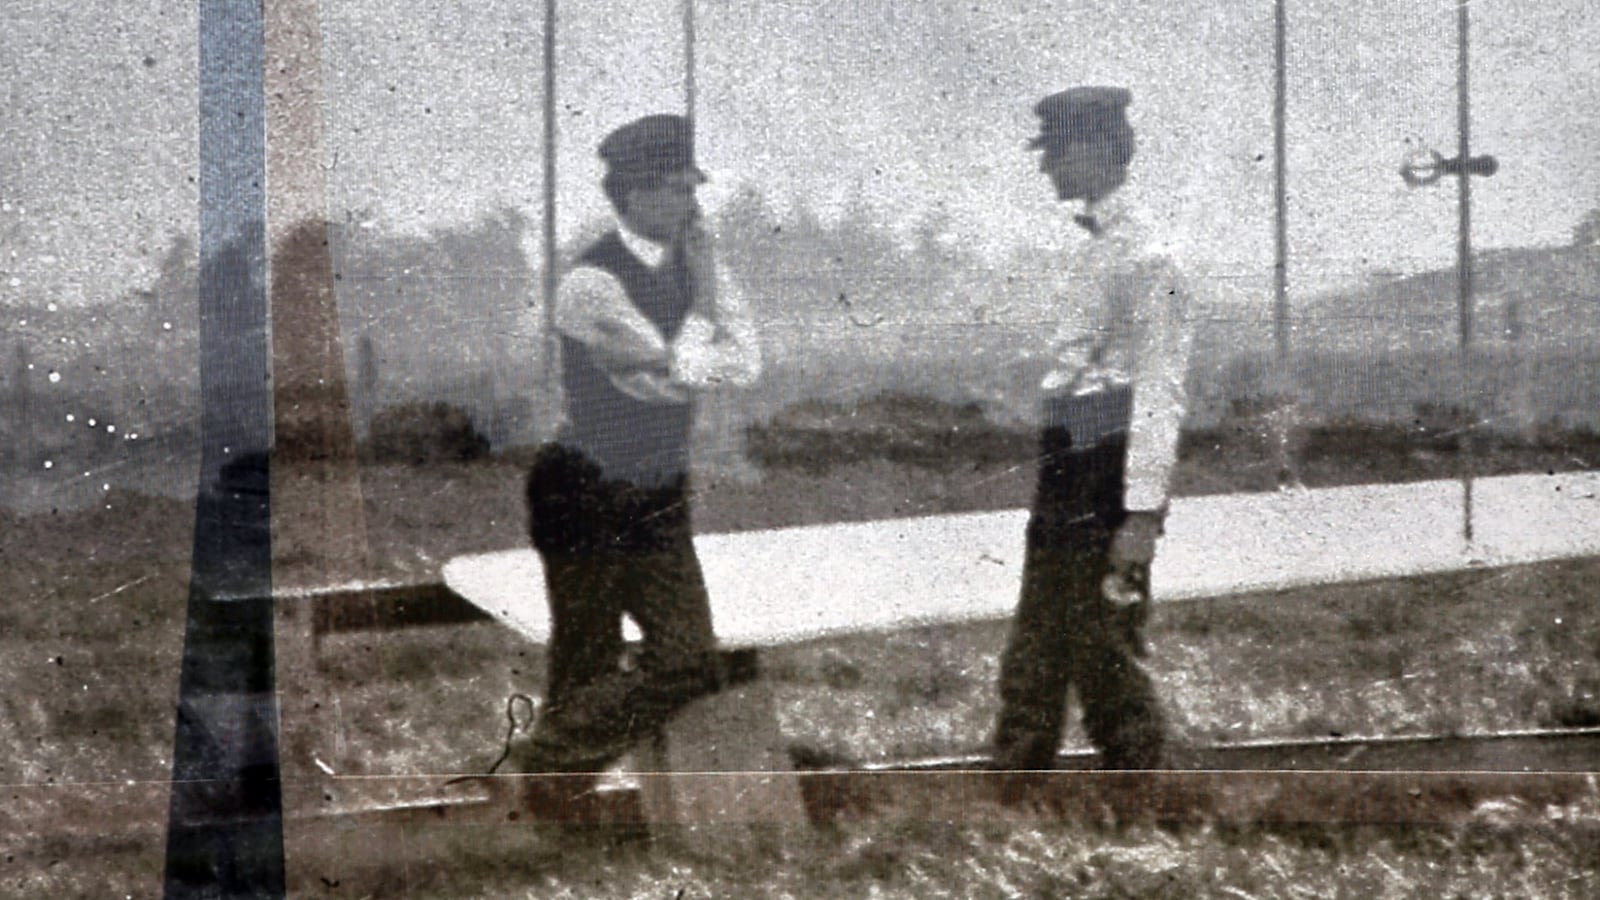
(1121, 713)
(585, 627)
(572, 516)
(1033, 675)
(1066, 632)
(1034, 667)
(666, 595)
(650, 572)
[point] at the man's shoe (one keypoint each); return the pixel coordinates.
(808, 756)
(535, 754)
(1147, 753)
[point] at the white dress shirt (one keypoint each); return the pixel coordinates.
(1124, 321)
(714, 347)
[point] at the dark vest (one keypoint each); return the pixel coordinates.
(645, 443)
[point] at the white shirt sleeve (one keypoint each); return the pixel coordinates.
(721, 349)
(1159, 387)
(593, 309)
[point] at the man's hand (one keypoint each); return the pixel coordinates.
(1127, 586)
(1133, 548)
(699, 257)
(1135, 541)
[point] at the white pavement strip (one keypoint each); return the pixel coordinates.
(797, 583)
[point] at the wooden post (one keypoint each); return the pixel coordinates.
(319, 527)
(686, 792)
(696, 780)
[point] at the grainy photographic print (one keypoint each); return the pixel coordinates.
(693, 449)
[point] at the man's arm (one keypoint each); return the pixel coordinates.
(593, 309)
(1159, 387)
(1159, 399)
(717, 344)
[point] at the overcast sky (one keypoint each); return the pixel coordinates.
(911, 108)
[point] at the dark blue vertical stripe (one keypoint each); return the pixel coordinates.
(225, 836)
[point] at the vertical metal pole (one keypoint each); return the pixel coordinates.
(1464, 262)
(1284, 400)
(688, 69)
(1280, 277)
(552, 340)
(1464, 180)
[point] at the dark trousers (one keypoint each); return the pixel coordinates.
(1065, 632)
(612, 548)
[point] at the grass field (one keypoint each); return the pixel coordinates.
(91, 636)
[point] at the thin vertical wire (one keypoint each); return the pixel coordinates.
(1284, 400)
(552, 346)
(1280, 280)
(1464, 262)
(688, 69)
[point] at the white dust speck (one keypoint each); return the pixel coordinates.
(166, 326)
(91, 423)
(55, 377)
(49, 465)
(50, 307)
(71, 417)
(105, 487)
(111, 429)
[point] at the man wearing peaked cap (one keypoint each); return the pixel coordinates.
(1087, 141)
(1112, 403)
(1082, 111)
(654, 145)
(645, 326)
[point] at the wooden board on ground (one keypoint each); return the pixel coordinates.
(793, 584)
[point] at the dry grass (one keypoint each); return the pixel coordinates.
(91, 635)
(1501, 852)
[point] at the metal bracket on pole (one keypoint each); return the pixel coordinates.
(1425, 167)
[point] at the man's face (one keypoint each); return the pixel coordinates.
(664, 211)
(1083, 171)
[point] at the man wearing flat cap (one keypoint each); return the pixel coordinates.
(1112, 403)
(645, 325)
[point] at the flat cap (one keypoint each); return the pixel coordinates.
(1081, 113)
(654, 145)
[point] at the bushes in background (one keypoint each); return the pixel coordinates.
(421, 432)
